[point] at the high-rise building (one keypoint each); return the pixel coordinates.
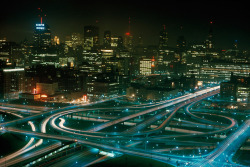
(101, 86)
(210, 41)
(42, 36)
(181, 43)
(140, 41)
(11, 82)
(128, 38)
(236, 89)
(120, 42)
(91, 37)
(235, 45)
(56, 41)
(76, 40)
(107, 39)
(181, 48)
(163, 42)
(147, 66)
(128, 41)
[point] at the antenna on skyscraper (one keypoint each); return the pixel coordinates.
(41, 15)
(129, 21)
(128, 33)
(164, 27)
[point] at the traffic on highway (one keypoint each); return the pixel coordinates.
(172, 131)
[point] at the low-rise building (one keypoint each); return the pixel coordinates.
(11, 82)
(238, 89)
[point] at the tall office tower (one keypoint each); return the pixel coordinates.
(107, 39)
(76, 40)
(210, 41)
(42, 36)
(128, 41)
(181, 48)
(117, 42)
(147, 66)
(91, 37)
(235, 45)
(120, 42)
(11, 82)
(181, 43)
(163, 42)
(140, 41)
(56, 41)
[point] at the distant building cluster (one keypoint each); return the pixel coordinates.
(103, 65)
(237, 89)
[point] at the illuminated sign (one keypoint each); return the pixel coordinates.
(40, 26)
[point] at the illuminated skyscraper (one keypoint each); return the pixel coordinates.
(163, 42)
(181, 48)
(128, 41)
(56, 41)
(107, 39)
(209, 41)
(235, 45)
(91, 37)
(42, 36)
(147, 66)
(181, 43)
(120, 42)
(76, 40)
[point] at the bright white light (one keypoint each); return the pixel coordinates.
(13, 70)
(40, 25)
(40, 28)
(107, 154)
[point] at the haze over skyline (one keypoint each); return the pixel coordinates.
(230, 21)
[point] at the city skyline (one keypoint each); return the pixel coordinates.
(88, 83)
(147, 20)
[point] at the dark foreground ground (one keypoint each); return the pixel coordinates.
(131, 161)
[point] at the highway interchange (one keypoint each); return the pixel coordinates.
(138, 130)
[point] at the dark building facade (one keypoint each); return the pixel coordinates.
(11, 82)
(42, 37)
(238, 88)
(91, 37)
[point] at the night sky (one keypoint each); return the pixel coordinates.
(230, 19)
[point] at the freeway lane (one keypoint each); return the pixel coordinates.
(125, 150)
(48, 112)
(120, 148)
(228, 147)
(24, 107)
(159, 128)
(224, 129)
(141, 140)
(146, 123)
(200, 118)
(80, 159)
(31, 154)
(165, 123)
(26, 148)
(167, 104)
